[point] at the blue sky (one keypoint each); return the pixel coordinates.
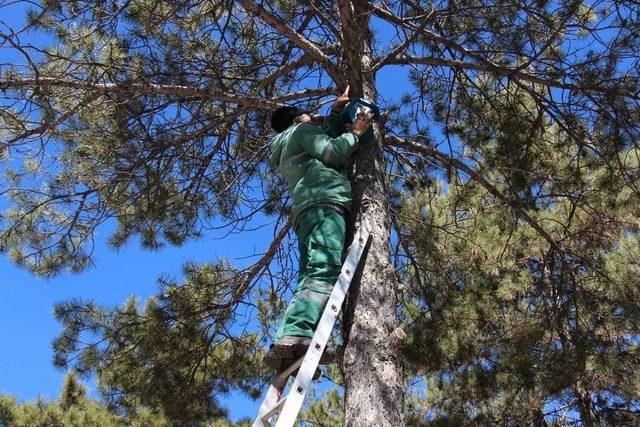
(27, 325)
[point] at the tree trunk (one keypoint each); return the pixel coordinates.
(588, 414)
(372, 364)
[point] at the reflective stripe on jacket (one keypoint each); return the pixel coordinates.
(312, 160)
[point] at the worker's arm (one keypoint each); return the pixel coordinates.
(333, 124)
(331, 151)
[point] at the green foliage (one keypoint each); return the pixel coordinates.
(73, 392)
(150, 161)
(72, 408)
(503, 323)
(326, 411)
(175, 355)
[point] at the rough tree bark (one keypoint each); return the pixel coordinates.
(372, 364)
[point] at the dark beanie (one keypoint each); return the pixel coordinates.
(283, 117)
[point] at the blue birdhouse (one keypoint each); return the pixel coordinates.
(356, 106)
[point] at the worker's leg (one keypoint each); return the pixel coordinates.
(321, 234)
(302, 276)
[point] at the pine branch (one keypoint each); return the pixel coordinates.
(150, 88)
(252, 272)
(392, 57)
(271, 78)
(511, 73)
(452, 162)
(483, 64)
(308, 46)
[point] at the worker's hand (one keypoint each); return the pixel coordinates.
(341, 101)
(362, 123)
(309, 117)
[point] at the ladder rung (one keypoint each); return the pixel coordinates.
(275, 410)
(283, 376)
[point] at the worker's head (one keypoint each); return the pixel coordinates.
(284, 117)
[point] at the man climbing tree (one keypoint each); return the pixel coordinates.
(313, 163)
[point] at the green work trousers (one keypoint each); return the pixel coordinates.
(321, 233)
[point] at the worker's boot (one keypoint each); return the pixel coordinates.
(288, 349)
(273, 360)
(278, 364)
(291, 347)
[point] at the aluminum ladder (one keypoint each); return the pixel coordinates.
(283, 412)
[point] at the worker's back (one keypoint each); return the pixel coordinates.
(313, 163)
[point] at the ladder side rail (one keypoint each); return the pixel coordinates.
(276, 386)
(270, 400)
(320, 338)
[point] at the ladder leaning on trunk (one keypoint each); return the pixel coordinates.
(289, 406)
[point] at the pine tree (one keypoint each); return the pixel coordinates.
(73, 392)
(508, 326)
(173, 356)
(507, 179)
(72, 408)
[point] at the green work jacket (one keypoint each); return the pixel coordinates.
(313, 161)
